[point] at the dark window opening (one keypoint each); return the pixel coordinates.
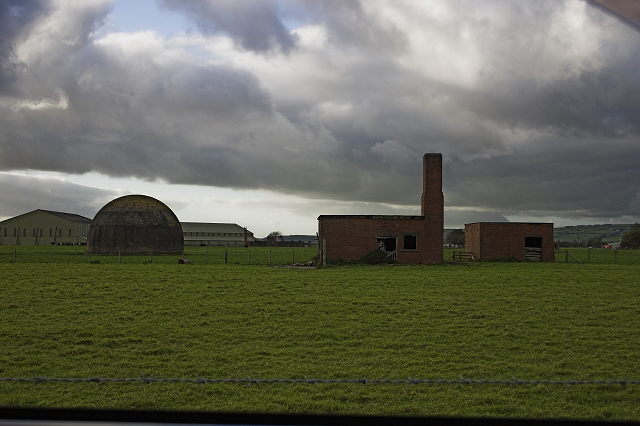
(410, 242)
(533, 242)
(387, 244)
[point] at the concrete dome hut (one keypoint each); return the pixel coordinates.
(135, 224)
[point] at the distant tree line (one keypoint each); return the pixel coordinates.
(631, 239)
(455, 237)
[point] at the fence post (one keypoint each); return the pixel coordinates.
(150, 257)
(566, 256)
(225, 256)
(615, 257)
(588, 255)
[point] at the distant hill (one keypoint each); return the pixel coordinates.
(569, 234)
(609, 233)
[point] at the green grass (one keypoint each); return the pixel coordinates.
(489, 320)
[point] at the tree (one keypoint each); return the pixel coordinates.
(277, 235)
(594, 242)
(455, 237)
(631, 239)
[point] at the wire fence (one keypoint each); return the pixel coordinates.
(598, 256)
(200, 256)
(258, 256)
(363, 381)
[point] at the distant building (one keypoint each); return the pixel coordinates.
(504, 240)
(215, 234)
(44, 227)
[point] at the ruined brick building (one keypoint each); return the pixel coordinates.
(407, 239)
(504, 240)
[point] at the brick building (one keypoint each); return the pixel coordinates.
(504, 240)
(407, 239)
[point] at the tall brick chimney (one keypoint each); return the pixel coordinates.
(433, 204)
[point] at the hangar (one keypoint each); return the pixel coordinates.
(215, 234)
(43, 227)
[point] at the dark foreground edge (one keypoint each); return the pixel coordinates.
(38, 416)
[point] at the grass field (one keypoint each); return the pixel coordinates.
(490, 320)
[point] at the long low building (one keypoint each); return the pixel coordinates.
(215, 234)
(44, 227)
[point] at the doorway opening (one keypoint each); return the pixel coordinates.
(533, 248)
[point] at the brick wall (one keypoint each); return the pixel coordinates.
(350, 237)
(503, 240)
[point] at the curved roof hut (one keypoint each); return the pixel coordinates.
(135, 224)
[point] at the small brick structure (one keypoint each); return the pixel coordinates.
(505, 240)
(406, 239)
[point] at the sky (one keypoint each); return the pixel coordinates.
(270, 113)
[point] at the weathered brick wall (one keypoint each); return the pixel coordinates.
(502, 240)
(351, 237)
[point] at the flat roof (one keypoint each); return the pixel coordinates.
(369, 216)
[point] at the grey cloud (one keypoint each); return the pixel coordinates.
(515, 141)
(350, 26)
(259, 25)
(254, 25)
(21, 194)
(16, 17)
(556, 176)
(455, 218)
(604, 103)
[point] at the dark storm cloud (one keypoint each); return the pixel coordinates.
(534, 105)
(604, 102)
(21, 194)
(596, 178)
(254, 25)
(16, 16)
